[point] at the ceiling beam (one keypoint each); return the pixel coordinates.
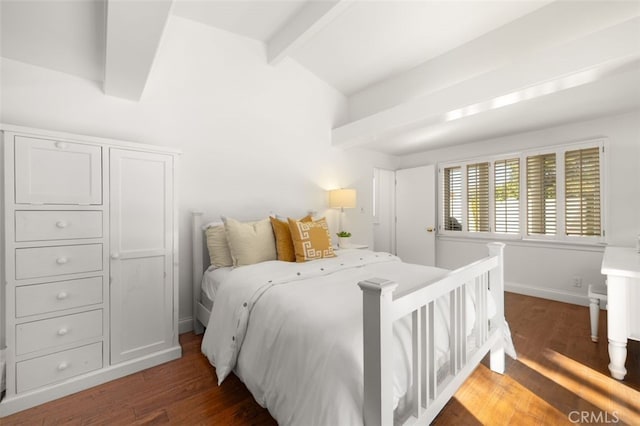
(580, 62)
(314, 16)
(134, 30)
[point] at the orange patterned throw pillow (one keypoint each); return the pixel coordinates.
(284, 243)
(311, 240)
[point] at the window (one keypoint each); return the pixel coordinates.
(478, 197)
(541, 194)
(507, 195)
(452, 199)
(582, 193)
(551, 194)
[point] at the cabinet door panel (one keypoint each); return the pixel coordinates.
(141, 211)
(57, 172)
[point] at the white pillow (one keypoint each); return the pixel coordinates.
(250, 242)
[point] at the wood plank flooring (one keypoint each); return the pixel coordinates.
(561, 377)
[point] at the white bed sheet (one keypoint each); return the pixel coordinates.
(293, 334)
(211, 280)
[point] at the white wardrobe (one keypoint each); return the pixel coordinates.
(90, 262)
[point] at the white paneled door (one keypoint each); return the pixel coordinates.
(416, 215)
(141, 253)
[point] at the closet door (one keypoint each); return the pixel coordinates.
(416, 215)
(141, 214)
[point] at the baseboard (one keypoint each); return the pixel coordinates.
(185, 325)
(547, 293)
(29, 399)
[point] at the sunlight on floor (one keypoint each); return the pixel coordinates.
(598, 389)
(512, 403)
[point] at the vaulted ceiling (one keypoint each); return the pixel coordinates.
(416, 74)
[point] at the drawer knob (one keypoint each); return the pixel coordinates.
(61, 260)
(62, 295)
(63, 366)
(62, 331)
(61, 224)
(61, 145)
(115, 256)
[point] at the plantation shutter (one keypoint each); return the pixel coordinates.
(452, 199)
(478, 197)
(582, 192)
(541, 194)
(507, 195)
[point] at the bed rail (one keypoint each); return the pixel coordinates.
(381, 309)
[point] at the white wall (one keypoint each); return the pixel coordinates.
(547, 270)
(255, 138)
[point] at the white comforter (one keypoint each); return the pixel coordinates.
(293, 334)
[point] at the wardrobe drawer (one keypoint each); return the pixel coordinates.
(53, 332)
(57, 172)
(56, 296)
(57, 225)
(57, 260)
(56, 367)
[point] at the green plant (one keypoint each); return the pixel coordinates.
(343, 234)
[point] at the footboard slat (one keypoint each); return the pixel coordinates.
(453, 338)
(433, 370)
(427, 396)
(463, 325)
(418, 354)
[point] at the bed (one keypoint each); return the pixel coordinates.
(361, 338)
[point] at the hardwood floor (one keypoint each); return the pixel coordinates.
(561, 377)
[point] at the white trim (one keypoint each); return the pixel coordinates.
(547, 293)
(526, 242)
(83, 139)
(185, 325)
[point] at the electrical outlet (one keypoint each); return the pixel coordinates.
(577, 281)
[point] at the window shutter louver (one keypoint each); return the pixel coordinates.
(541, 194)
(452, 202)
(478, 197)
(507, 195)
(582, 192)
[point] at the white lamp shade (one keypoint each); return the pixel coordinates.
(342, 198)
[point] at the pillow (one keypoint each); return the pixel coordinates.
(250, 242)
(219, 253)
(284, 243)
(311, 240)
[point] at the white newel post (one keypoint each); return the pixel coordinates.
(496, 281)
(198, 267)
(378, 345)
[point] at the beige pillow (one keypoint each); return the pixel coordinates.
(284, 243)
(219, 253)
(311, 240)
(250, 242)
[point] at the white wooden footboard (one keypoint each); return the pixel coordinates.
(428, 394)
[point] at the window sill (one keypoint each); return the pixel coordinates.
(591, 246)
